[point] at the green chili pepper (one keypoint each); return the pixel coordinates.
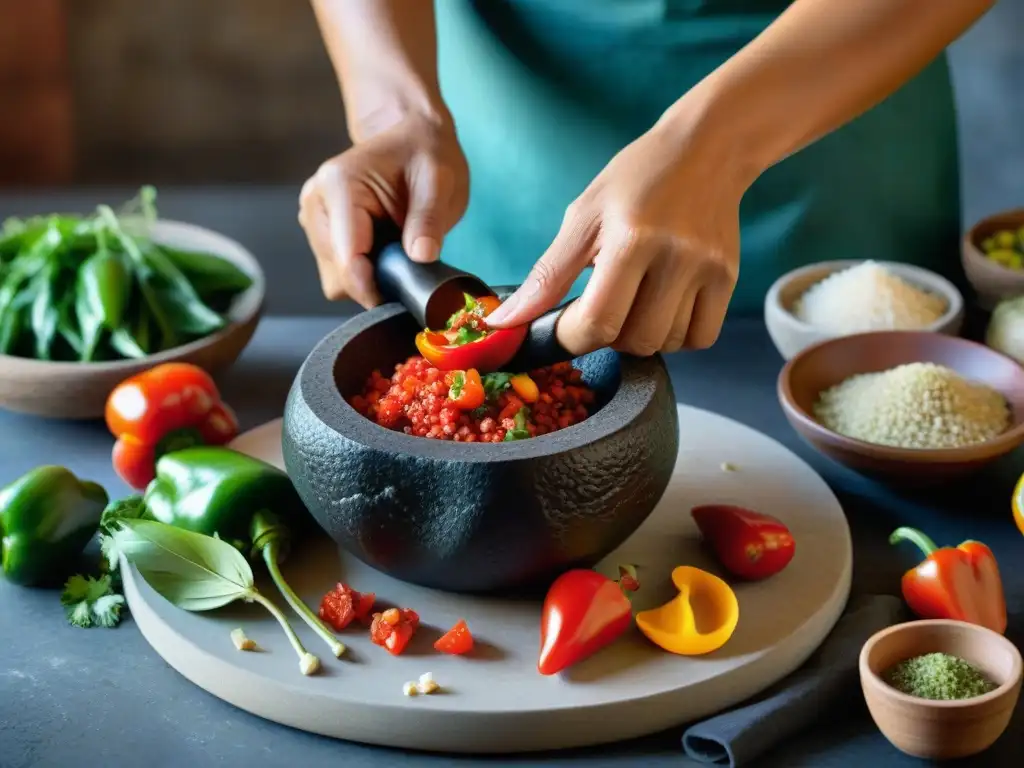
(47, 516)
(244, 501)
(45, 313)
(210, 275)
(106, 283)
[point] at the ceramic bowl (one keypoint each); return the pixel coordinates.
(991, 281)
(830, 362)
(69, 390)
(791, 335)
(941, 730)
(470, 517)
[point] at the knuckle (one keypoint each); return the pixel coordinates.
(640, 347)
(600, 330)
(704, 338)
(673, 344)
(542, 275)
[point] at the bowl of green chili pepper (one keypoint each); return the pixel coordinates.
(88, 300)
(940, 689)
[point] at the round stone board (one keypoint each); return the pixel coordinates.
(494, 700)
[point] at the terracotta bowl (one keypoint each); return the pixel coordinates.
(941, 730)
(791, 335)
(70, 390)
(826, 364)
(993, 282)
(472, 517)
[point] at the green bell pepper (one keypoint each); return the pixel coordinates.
(47, 516)
(247, 502)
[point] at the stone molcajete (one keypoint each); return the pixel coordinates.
(472, 517)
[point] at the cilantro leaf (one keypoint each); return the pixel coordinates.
(519, 431)
(458, 382)
(123, 509)
(495, 384)
(111, 554)
(467, 335)
(90, 602)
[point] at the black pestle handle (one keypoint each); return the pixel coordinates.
(433, 292)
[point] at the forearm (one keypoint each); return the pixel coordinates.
(818, 66)
(384, 53)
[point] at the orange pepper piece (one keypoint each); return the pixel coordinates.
(701, 619)
(525, 387)
(1018, 504)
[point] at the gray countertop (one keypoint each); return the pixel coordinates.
(103, 697)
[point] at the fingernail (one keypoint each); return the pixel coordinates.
(424, 249)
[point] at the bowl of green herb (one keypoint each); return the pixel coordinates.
(88, 300)
(940, 689)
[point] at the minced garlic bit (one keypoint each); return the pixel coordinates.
(241, 641)
(425, 685)
(918, 405)
(728, 467)
(867, 297)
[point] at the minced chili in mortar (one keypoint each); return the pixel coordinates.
(464, 406)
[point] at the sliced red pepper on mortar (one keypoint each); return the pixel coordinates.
(960, 583)
(584, 611)
(167, 408)
(468, 342)
(748, 544)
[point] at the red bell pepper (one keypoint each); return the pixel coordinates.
(393, 629)
(960, 583)
(583, 612)
(748, 544)
(456, 641)
(468, 343)
(167, 408)
(466, 390)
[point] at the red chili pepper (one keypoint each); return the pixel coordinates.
(393, 629)
(583, 612)
(457, 640)
(488, 353)
(343, 605)
(748, 544)
(466, 390)
(960, 583)
(167, 408)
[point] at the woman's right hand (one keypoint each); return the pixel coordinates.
(413, 173)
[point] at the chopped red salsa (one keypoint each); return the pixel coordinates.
(343, 605)
(394, 628)
(464, 406)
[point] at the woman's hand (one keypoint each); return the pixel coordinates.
(413, 173)
(660, 224)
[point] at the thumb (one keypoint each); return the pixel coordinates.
(423, 229)
(549, 280)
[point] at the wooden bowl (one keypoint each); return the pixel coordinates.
(941, 730)
(69, 390)
(993, 282)
(830, 362)
(791, 335)
(475, 517)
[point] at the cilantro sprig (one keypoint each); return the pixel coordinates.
(90, 602)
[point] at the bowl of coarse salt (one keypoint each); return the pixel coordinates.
(907, 407)
(840, 298)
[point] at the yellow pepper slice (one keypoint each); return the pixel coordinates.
(1018, 504)
(701, 619)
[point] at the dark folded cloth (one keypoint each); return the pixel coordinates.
(738, 737)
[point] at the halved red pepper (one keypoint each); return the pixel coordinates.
(488, 353)
(748, 544)
(960, 583)
(164, 409)
(584, 611)
(457, 640)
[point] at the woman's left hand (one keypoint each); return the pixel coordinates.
(660, 224)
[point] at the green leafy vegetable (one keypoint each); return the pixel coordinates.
(495, 384)
(210, 275)
(90, 602)
(519, 431)
(106, 284)
(197, 572)
(467, 335)
(458, 382)
(129, 508)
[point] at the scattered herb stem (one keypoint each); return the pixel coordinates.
(308, 663)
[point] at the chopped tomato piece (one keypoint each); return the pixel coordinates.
(343, 605)
(393, 629)
(457, 640)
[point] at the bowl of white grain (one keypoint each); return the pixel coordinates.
(830, 299)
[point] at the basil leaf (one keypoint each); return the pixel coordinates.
(467, 335)
(193, 571)
(495, 384)
(210, 275)
(519, 431)
(458, 382)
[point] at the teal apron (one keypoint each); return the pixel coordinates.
(545, 92)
